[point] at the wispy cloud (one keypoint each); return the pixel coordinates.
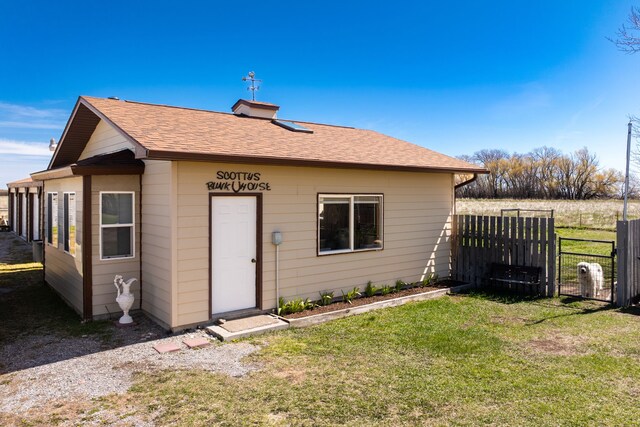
(8, 146)
(29, 125)
(527, 98)
(27, 117)
(585, 109)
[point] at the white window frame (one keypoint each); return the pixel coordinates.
(351, 198)
(132, 225)
(65, 215)
(55, 236)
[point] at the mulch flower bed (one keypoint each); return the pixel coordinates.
(340, 305)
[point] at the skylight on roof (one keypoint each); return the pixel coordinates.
(295, 127)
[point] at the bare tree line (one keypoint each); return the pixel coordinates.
(544, 173)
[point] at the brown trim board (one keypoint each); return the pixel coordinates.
(10, 213)
(259, 253)
(279, 161)
(30, 197)
(140, 242)
(19, 209)
(87, 247)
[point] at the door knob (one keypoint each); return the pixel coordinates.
(253, 260)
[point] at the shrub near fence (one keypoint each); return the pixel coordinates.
(479, 241)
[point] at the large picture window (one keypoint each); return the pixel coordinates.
(69, 222)
(52, 219)
(348, 223)
(116, 225)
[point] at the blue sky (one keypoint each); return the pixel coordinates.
(456, 77)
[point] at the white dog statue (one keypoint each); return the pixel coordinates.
(591, 279)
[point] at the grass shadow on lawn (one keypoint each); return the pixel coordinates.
(635, 310)
(573, 306)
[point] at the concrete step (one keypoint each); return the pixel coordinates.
(248, 326)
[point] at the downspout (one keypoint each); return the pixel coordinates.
(454, 220)
(140, 282)
(460, 185)
(469, 181)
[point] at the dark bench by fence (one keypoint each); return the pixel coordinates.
(520, 276)
(4, 228)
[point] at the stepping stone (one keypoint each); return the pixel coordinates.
(196, 342)
(166, 347)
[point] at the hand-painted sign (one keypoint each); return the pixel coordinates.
(238, 182)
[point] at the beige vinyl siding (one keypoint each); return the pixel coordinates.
(104, 271)
(417, 227)
(63, 272)
(156, 237)
(105, 139)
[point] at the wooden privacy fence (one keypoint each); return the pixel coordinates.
(479, 241)
(628, 237)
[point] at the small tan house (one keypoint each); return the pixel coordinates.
(192, 203)
(24, 210)
(4, 208)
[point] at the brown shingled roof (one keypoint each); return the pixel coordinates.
(165, 132)
(25, 182)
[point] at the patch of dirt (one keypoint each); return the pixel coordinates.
(340, 305)
(508, 320)
(293, 375)
(74, 413)
(559, 345)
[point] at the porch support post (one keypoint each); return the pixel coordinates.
(87, 244)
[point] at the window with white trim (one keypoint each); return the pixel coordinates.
(69, 223)
(52, 219)
(349, 223)
(117, 225)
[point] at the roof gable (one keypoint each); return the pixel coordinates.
(78, 132)
(105, 139)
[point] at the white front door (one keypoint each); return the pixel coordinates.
(233, 253)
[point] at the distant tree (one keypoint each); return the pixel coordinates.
(546, 159)
(493, 160)
(628, 35)
(635, 133)
(628, 41)
(634, 187)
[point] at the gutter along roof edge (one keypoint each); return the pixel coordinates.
(287, 161)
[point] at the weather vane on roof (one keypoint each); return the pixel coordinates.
(253, 88)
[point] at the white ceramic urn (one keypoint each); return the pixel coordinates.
(125, 298)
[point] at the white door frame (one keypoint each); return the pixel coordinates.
(258, 197)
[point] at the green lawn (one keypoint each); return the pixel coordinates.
(586, 247)
(462, 360)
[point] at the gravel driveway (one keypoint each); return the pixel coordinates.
(100, 372)
(39, 370)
